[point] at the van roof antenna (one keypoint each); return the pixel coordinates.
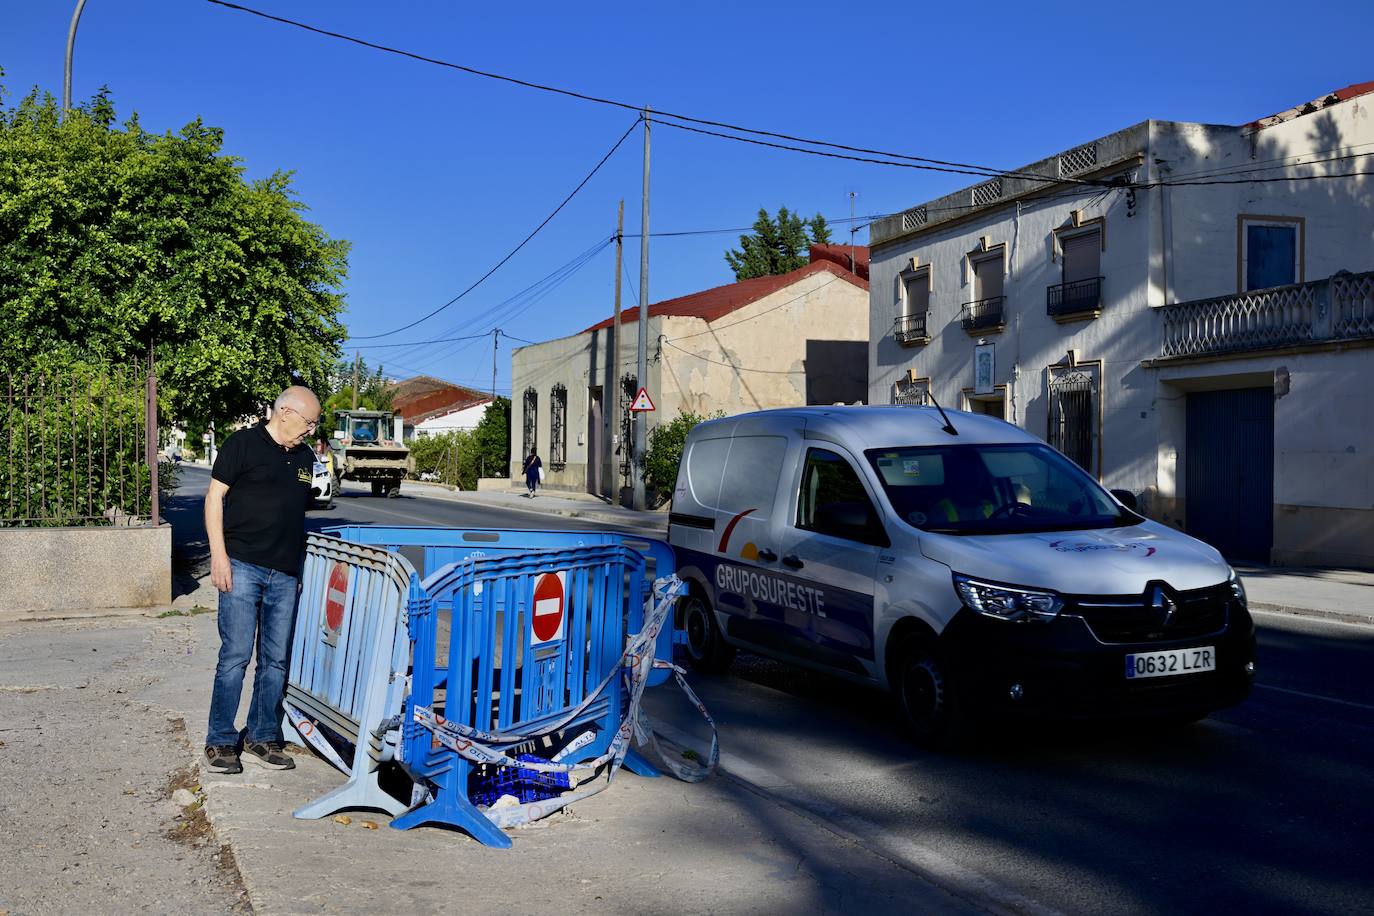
(948, 427)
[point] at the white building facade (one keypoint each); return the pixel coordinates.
(780, 341)
(1178, 327)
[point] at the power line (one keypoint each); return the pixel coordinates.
(533, 293)
(525, 241)
(418, 343)
(923, 162)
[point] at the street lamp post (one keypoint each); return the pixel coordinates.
(71, 45)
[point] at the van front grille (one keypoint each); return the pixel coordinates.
(1143, 618)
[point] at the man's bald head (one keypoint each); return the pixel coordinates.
(295, 415)
(298, 398)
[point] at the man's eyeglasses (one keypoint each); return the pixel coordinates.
(309, 424)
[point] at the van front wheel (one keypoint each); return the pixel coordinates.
(929, 696)
(706, 648)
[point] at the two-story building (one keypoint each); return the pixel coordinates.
(1186, 310)
(778, 341)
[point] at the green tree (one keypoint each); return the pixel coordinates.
(777, 246)
(664, 451)
(114, 239)
(492, 440)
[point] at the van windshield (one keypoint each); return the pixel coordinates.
(993, 489)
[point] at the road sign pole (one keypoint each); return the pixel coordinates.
(642, 368)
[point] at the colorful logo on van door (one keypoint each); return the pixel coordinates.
(1089, 547)
(750, 551)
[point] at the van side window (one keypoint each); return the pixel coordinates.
(833, 501)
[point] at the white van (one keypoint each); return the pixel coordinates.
(953, 558)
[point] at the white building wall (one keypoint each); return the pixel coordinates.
(465, 419)
(1170, 245)
(751, 359)
(1032, 340)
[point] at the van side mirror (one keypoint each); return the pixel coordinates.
(1126, 498)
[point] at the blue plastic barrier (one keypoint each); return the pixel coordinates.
(506, 676)
(441, 546)
(349, 657)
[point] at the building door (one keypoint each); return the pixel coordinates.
(595, 458)
(1229, 469)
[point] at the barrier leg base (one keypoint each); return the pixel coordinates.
(352, 794)
(639, 765)
(461, 814)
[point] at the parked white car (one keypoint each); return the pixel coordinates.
(322, 486)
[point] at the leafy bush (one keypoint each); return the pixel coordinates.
(664, 451)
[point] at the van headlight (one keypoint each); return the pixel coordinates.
(1237, 589)
(1004, 602)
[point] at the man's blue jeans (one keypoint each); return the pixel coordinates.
(261, 603)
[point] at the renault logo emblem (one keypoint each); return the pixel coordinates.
(1165, 605)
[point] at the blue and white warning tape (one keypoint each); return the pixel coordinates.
(636, 662)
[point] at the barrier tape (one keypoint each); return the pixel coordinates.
(307, 730)
(637, 660)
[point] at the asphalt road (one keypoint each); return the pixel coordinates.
(1266, 808)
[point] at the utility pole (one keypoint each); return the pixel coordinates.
(642, 366)
(613, 395)
(853, 228)
(495, 342)
(71, 46)
(357, 358)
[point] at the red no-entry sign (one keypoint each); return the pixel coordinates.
(549, 604)
(334, 597)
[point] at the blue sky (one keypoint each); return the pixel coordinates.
(434, 175)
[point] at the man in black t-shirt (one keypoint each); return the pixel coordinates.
(255, 518)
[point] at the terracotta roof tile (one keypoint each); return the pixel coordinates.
(1352, 91)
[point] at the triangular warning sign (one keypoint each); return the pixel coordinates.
(642, 403)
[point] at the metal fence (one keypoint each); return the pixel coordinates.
(78, 446)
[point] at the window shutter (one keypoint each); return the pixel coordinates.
(1271, 256)
(917, 294)
(989, 276)
(1082, 256)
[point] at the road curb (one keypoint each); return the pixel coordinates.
(1318, 613)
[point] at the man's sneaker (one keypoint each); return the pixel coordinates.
(223, 759)
(269, 754)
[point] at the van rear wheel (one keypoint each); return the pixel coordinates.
(706, 648)
(929, 695)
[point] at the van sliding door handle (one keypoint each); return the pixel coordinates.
(793, 561)
(767, 555)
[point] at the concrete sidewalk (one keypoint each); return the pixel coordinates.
(549, 502)
(1336, 594)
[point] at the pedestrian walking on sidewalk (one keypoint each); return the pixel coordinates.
(255, 519)
(534, 472)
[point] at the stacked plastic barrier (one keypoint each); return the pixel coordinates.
(437, 547)
(510, 677)
(349, 655)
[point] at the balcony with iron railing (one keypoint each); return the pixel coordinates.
(1336, 309)
(910, 330)
(1079, 299)
(984, 315)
